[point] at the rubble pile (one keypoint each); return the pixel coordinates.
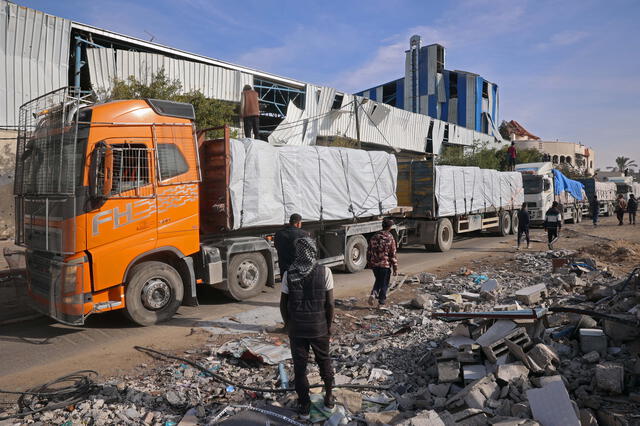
(545, 338)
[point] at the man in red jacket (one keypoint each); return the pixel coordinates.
(381, 257)
(250, 112)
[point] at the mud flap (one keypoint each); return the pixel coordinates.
(190, 297)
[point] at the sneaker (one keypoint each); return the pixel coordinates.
(304, 410)
(528, 245)
(329, 402)
(372, 299)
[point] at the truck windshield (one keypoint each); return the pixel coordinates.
(532, 184)
(52, 163)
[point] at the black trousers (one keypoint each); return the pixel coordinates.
(524, 231)
(620, 215)
(300, 354)
(632, 217)
(552, 233)
(251, 124)
(381, 285)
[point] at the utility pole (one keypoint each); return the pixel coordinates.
(355, 111)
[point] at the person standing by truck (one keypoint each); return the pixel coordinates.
(595, 209)
(285, 239)
(307, 308)
(250, 112)
(632, 208)
(621, 207)
(523, 224)
(553, 223)
(511, 156)
(382, 259)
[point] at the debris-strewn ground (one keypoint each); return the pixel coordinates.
(562, 368)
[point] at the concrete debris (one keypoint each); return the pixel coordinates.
(559, 369)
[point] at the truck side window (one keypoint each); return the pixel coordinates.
(130, 167)
(171, 161)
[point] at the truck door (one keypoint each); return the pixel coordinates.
(123, 216)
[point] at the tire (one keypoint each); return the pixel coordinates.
(504, 224)
(246, 276)
(153, 293)
(573, 217)
(514, 222)
(355, 253)
(444, 237)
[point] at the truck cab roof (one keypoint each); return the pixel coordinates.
(542, 168)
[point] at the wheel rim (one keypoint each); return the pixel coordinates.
(156, 294)
(356, 253)
(506, 224)
(248, 274)
(445, 234)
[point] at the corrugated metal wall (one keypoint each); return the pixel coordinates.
(213, 81)
(34, 57)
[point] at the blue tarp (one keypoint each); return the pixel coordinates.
(563, 183)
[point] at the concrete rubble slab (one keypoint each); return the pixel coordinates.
(593, 339)
(531, 295)
(551, 405)
(610, 377)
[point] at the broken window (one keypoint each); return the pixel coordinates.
(337, 101)
(453, 85)
(485, 90)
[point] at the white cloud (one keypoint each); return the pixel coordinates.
(563, 39)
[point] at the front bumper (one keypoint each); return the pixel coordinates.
(56, 287)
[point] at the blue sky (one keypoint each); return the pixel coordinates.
(567, 70)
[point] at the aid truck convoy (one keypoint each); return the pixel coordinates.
(543, 185)
(605, 192)
(124, 206)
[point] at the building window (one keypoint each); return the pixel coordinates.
(485, 90)
(555, 159)
(568, 160)
(562, 159)
(453, 85)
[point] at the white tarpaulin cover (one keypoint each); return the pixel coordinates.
(464, 190)
(268, 184)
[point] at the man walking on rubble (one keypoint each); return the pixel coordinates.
(382, 259)
(307, 307)
(621, 206)
(553, 223)
(595, 210)
(285, 239)
(523, 224)
(632, 208)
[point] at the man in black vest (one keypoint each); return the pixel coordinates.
(284, 241)
(307, 309)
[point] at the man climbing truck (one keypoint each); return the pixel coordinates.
(123, 205)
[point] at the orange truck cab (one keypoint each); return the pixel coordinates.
(107, 205)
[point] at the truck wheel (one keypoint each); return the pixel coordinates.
(572, 217)
(153, 293)
(355, 253)
(504, 225)
(444, 239)
(246, 276)
(514, 222)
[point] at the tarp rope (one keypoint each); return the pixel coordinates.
(345, 170)
(320, 182)
(373, 170)
(244, 184)
(284, 200)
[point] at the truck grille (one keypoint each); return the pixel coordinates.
(42, 273)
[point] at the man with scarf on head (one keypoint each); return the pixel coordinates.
(307, 306)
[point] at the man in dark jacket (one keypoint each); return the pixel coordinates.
(553, 223)
(523, 224)
(250, 112)
(285, 242)
(632, 208)
(307, 307)
(595, 210)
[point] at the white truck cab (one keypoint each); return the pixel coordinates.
(537, 181)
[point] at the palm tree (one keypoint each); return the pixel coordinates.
(623, 163)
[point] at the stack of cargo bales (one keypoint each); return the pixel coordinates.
(268, 184)
(466, 190)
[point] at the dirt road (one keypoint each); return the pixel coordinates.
(40, 350)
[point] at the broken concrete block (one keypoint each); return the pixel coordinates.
(587, 418)
(550, 405)
(593, 339)
(421, 301)
(531, 295)
(545, 380)
(610, 377)
(497, 331)
(456, 298)
(473, 372)
(543, 355)
(429, 418)
(488, 286)
(591, 357)
(475, 399)
(517, 337)
(440, 390)
(510, 372)
(457, 341)
(470, 296)
(448, 371)
(384, 418)
(621, 332)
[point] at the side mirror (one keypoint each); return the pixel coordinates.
(101, 171)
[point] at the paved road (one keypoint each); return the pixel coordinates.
(39, 350)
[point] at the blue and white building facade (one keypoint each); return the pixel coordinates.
(459, 97)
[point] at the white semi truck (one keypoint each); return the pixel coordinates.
(543, 185)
